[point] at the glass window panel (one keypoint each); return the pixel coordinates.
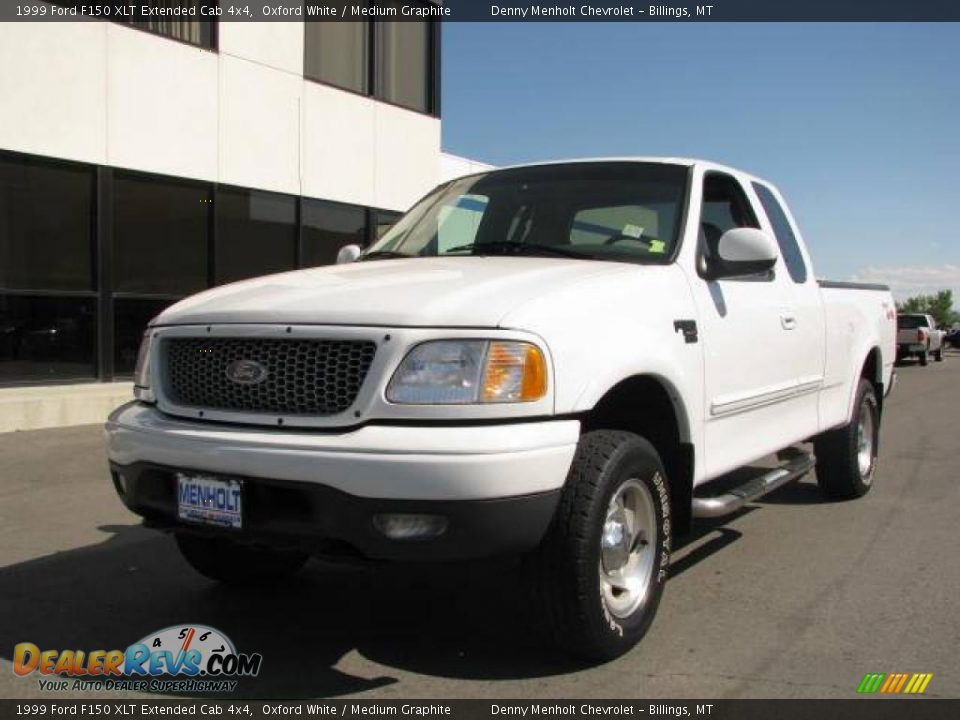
(725, 206)
(195, 32)
(45, 225)
(47, 338)
(130, 318)
(336, 53)
(160, 235)
(458, 222)
(624, 224)
(256, 234)
(789, 245)
(327, 227)
(403, 58)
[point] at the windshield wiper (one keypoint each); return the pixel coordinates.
(384, 255)
(504, 247)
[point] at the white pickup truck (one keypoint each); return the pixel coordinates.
(552, 361)
(918, 335)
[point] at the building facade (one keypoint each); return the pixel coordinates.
(143, 162)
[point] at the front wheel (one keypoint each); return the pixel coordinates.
(599, 574)
(847, 456)
(233, 563)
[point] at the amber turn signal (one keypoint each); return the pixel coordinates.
(513, 372)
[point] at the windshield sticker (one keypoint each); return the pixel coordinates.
(632, 231)
(657, 246)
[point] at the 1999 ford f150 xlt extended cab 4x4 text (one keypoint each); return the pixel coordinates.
(552, 360)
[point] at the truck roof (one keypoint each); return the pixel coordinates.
(685, 162)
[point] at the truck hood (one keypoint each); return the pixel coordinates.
(420, 292)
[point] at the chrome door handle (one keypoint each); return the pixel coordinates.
(789, 322)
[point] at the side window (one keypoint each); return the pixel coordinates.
(786, 239)
(725, 206)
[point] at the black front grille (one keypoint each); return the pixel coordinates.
(290, 377)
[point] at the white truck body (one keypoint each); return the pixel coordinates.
(743, 367)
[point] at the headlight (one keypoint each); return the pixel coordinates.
(458, 372)
(141, 376)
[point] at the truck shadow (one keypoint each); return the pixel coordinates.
(331, 631)
(465, 622)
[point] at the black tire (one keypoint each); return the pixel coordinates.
(233, 563)
(923, 358)
(938, 355)
(568, 595)
(840, 473)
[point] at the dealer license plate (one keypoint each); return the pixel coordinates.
(209, 500)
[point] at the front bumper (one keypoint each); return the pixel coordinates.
(497, 485)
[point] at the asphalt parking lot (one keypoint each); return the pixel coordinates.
(794, 597)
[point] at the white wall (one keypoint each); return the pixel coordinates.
(454, 166)
(103, 93)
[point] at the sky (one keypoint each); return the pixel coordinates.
(857, 124)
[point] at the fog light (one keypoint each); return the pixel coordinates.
(410, 527)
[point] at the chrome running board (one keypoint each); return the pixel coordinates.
(795, 463)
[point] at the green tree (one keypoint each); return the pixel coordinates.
(939, 305)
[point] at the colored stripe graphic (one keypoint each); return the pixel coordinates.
(918, 683)
(871, 682)
(894, 683)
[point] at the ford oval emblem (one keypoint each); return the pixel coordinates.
(246, 372)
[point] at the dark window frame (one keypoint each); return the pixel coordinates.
(103, 293)
(90, 293)
(368, 59)
(92, 249)
(374, 80)
(217, 236)
(214, 45)
(94, 340)
(432, 80)
(368, 215)
(123, 173)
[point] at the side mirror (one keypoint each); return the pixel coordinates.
(742, 251)
(348, 254)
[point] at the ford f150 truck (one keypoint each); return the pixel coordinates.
(552, 361)
(918, 335)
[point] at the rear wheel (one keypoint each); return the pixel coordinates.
(233, 563)
(847, 456)
(599, 574)
(938, 355)
(924, 356)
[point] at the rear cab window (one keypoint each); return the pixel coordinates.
(912, 322)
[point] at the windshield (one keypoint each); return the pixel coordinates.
(624, 211)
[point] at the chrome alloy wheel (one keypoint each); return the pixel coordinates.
(865, 439)
(628, 548)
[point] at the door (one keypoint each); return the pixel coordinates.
(805, 311)
(748, 331)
